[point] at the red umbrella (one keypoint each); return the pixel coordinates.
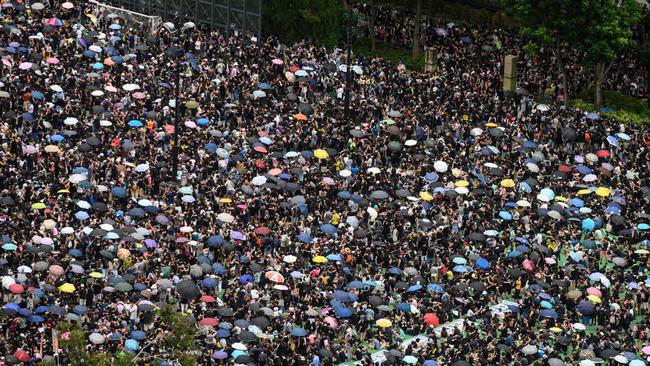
(169, 129)
(564, 168)
(261, 149)
(207, 298)
(294, 68)
(332, 322)
(17, 288)
(262, 230)
(208, 322)
(602, 153)
(22, 356)
(431, 319)
(260, 164)
(274, 276)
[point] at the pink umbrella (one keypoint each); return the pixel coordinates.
(190, 124)
(594, 291)
(529, 266)
(169, 129)
(30, 149)
(138, 95)
(52, 60)
(25, 65)
(275, 171)
(646, 350)
(7, 62)
(56, 270)
(55, 22)
(549, 261)
(277, 61)
(332, 322)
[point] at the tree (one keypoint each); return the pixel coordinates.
(643, 51)
(321, 21)
(546, 22)
(604, 29)
(417, 29)
(179, 337)
(373, 14)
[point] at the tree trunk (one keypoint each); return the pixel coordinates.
(598, 84)
(416, 31)
(562, 69)
(373, 40)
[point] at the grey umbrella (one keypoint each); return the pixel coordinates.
(224, 311)
(394, 114)
(379, 195)
(305, 108)
(123, 286)
(164, 284)
(196, 270)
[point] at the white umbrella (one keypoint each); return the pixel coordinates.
(97, 93)
(589, 178)
(476, 131)
(56, 88)
(67, 230)
(490, 165)
(259, 94)
(70, 121)
(554, 214)
(532, 167)
(225, 217)
(289, 258)
(83, 204)
(259, 180)
(76, 178)
(543, 107)
(523, 203)
(95, 48)
(345, 173)
(373, 170)
(357, 69)
(144, 203)
(141, 168)
(410, 143)
(605, 281)
(440, 166)
(130, 87)
(105, 123)
(96, 338)
(107, 227)
(372, 212)
(7, 281)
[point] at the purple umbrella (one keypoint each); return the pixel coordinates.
(220, 355)
(150, 243)
(237, 235)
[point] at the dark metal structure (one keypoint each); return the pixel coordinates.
(230, 15)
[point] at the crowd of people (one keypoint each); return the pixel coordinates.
(296, 234)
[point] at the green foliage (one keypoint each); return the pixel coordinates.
(542, 21)
(362, 48)
(321, 21)
(180, 336)
(603, 28)
(627, 109)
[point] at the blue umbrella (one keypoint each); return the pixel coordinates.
(546, 305)
(135, 123)
(530, 144)
(114, 26)
(606, 110)
(514, 254)
(431, 177)
(88, 54)
(434, 287)
(643, 226)
(247, 278)
(305, 238)
(344, 296)
(343, 312)
(298, 332)
(460, 269)
(219, 269)
(80, 309)
(344, 195)
(588, 224)
(328, 229)
(459, 260)
(117, 59)
(41, 309)
(334, 257)
(216, 240)
(482, 263)
(56, 138)
(209, 282)
(613, 210)
(136, 212)
(115, 337)
(132, 344)
(548, 313)
(404, 307)
(98, 66)
(575, 256)
(395, 271)
(355, 285)
(223, 333)
(577, 202)
(37, 95)
(414, 288)
(138, 335)
(81, 215)
(75, 252)
(119, 192)
(35, 319)
(25, 312)
(264, 86)
(430, 363)
(9, 246)
(505, 215)
(593, 116)
(612, 140)
(202, 121)
(586, 307)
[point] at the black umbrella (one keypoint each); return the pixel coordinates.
(188, 289)
(224, 311)
(93, 141)
(7, 201)
(305, 108)
(569, 133)
(248, 337)
(261, 322)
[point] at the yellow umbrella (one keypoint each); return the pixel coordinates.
(38, 206)
(594, 299)
(225, 200)
(426, 196)
(51, 148)
(321, 154)
(641, 251)
(96, 275)
(584, 191)
(491, 124)
(462, 183)
(383, 323)
(67, 288)
(603, 191)
(556, 330)
(319, 259)
(508, 183)
(62, 191)
(560, 198)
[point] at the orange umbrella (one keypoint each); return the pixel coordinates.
(274, 276)
(300, 117)
(431, 319)
(207, 298)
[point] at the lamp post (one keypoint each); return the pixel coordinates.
(348, 73)
(173, 53)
